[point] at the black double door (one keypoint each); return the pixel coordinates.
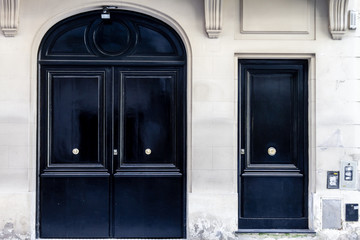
(113, 163)
(111, 128)
(273, 144)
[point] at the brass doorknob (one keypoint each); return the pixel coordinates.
(75, 151)
(148, 151)
(271, 151)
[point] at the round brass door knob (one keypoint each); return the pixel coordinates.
(271, 151)
(75, 151)
(148, 151)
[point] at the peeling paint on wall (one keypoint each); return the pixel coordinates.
(209, 227)
(349, 234)
(206, 226)
(8, 233)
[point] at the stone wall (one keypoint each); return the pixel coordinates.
(212, 162)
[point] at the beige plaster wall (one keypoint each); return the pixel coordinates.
(212, 190)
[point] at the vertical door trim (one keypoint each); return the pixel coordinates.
(310, 57)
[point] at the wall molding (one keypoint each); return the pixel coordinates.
(279, 21)
(9, 17)
(213, 17)
(338, 18)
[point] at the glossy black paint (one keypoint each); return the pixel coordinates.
(68, 210)
(149, 117)
(127, 36)
(76, 103)
(273, 100)
(271, 106)
(104, 85)
(152, 212)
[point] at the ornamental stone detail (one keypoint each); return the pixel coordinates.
(9, 17)
(338, 18)
(213, 17)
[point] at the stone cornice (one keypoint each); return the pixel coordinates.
(213, 17)
(9, 17)
(338, 18)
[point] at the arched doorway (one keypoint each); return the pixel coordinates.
(112, 128)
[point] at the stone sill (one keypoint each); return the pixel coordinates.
(71, 238)
(296, 231)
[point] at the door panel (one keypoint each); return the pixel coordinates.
(277, 205)
(75, 108)
(273, 138)
(70, 210)
(149, 117)
(76, 117)
(149, 206)
(271, 114)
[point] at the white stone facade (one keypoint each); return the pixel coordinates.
(249, 29)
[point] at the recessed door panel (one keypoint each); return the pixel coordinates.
(76, 111)
(149, 206)
(273, 144)
(70, 210)
(149, 123)
(271, 117)
(259, 202)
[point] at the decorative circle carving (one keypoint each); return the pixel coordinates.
(111, 37)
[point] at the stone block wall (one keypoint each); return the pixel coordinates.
(212, 162)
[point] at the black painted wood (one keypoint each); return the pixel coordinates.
(67, 210)
(127, 36)
(143, 207)
(77, 105)
(146, 93)
(273, 112)
(105, 85)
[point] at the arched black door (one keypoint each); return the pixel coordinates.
(112, 128)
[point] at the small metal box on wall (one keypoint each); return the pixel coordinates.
(333, 180)
(352, 212)
(348, 175)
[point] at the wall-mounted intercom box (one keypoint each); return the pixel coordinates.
(353, 15)
(348, 174)
(333, 180)
(351, 212)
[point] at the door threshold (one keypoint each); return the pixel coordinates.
(110, 238)
(303, 231)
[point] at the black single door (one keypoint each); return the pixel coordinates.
(273, 149)
(112, 129)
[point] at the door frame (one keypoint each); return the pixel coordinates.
(311, 118)
(34, 91)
